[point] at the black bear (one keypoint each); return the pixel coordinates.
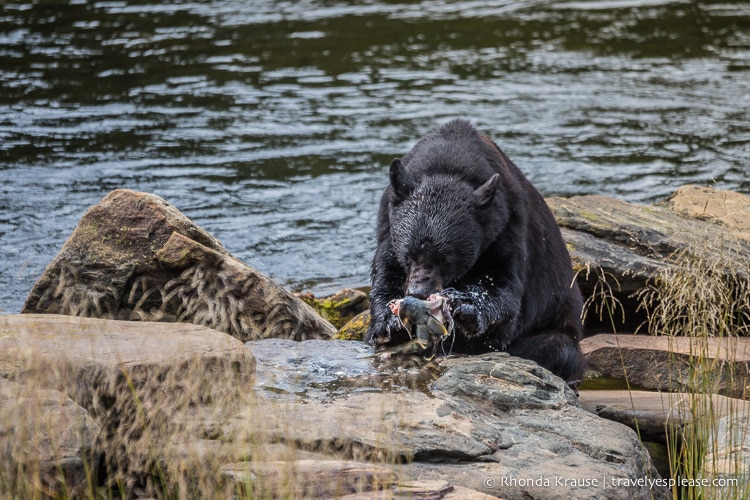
(459, 218)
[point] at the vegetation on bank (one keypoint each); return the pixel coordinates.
(707, 299)
(704, 300)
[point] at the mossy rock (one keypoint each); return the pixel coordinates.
(356, 328)
(339, 308)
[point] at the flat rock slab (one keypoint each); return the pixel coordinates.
(654, 412)
(309, 478)
(48, 436)
(720, 420)
(651, 413)
(134, 378)
(724, 349)
(54, 339)
(651, 231)
(490, 424)
(664, 362)
(133, 256)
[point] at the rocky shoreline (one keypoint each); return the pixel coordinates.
(149, 361)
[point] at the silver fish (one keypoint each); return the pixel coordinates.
(430, 320)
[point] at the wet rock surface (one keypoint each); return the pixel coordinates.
(482, 422)
(654, 412)
(322, 369)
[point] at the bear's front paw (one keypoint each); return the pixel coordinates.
(466, 318)
(387, 328)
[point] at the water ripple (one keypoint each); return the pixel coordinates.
(271, 123)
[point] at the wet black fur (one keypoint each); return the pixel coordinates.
(459, 216)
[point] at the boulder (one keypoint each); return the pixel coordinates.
(143, 383)
(46, 442)
(669, 363)
(176, 407)
(356, 328)
(619, 248)
(133, 256)
(340, 307)
(728, 208)
(493, 424)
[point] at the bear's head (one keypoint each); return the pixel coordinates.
(439, 226)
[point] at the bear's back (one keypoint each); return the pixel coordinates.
(455, 149)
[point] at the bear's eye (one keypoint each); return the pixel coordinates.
(443, 258)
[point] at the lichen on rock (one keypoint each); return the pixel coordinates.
(340, 307)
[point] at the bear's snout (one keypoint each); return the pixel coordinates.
(422, 283)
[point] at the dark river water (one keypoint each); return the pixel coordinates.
(272, 123)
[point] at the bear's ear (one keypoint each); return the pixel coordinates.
(400, 179)
(484, 193)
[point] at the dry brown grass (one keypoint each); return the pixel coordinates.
(704, 299)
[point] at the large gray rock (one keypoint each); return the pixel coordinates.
(618, 248)
(133, 256)
(148, 386)
(492, 423)
(178, 409)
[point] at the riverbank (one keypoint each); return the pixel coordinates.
(257, 400)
